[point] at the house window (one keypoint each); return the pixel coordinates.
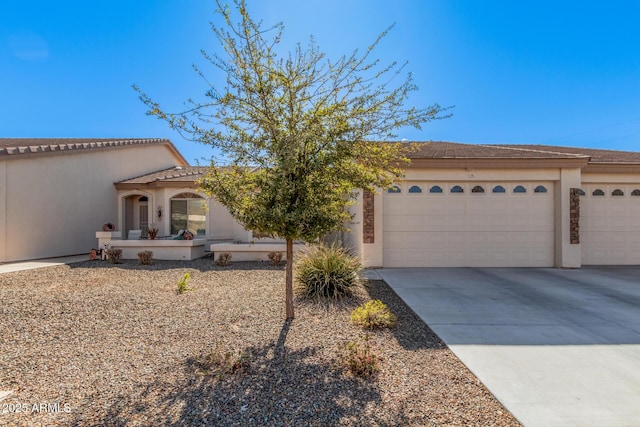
(188, 212)
(635, 192)
(457, 189)
(394, 189)
(477, 189)
(415, 189)
(597, 192)
(540, 189)
(581, 192)
(519, 189)
(617, 192)
(498, 189)
(435, 189)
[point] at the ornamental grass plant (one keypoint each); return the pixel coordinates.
(326, 271)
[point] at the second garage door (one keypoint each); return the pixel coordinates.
(610, 224)
(461, 224)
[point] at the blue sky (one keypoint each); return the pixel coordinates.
(543, 72)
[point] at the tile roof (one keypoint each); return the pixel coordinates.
(596, 155)
(177, 174)
(454, 150)
(18, 146)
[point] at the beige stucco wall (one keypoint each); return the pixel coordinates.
(566, 254)
(620, 178)
(219, 224)
(3, 210)
(53, 204)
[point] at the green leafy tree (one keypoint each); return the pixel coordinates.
(294, 130)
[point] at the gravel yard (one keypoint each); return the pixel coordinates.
(115, 345)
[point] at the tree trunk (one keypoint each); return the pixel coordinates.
(288, 301)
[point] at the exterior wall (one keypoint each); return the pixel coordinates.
(370, 253)
(220, 225)
(617, 178)
(3, 210)
(53, 204)
(567, 255)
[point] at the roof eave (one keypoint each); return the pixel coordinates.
(155, 184)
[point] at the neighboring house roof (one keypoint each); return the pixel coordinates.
(172, 177)
(18, 147)
(596, 155)
(453, 154)
(454, 150)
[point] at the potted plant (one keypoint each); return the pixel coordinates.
(152, 231)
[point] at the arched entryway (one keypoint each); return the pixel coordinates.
(135, 214)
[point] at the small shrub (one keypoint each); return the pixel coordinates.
(145, 257)
(224, 362)
(327, 272)
(361, 358)
(224, 259)
(114, 255)
(373, 314)
(275, 257)
(183, 286)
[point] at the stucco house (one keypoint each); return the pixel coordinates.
(55, 193)
(459, 204)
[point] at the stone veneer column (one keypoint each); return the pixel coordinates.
(368, 222)
(574, 215)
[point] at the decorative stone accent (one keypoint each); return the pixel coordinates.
(368, 232)
(574, 215)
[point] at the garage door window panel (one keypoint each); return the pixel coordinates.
(394, 190)
(499, 189)
(540, 189)
(519, 189)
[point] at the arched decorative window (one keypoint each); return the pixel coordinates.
(498, 189)
(519, 189)
(581, 192)
(477, 189)
(394, 189)
(597, 192)
(540, 189)
(457, 189)
(617, 192)
(415, 189)
(635, 192)
(188, 212)
(435, 189)
(143, 199)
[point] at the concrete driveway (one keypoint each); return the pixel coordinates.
(556, 347)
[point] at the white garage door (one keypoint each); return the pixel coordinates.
(610, 224)
(461, 224)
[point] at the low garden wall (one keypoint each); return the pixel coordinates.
(252, 251)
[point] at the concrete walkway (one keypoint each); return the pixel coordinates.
(556, 347)
(39, 263)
